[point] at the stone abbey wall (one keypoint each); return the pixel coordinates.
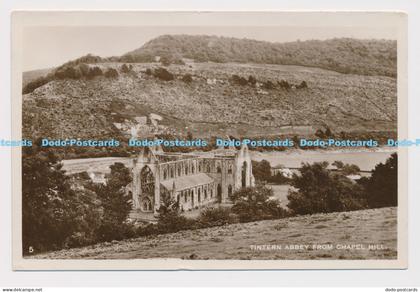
(194, 181)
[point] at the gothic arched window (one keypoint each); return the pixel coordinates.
(147, 180)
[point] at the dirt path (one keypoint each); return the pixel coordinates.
(322, 236)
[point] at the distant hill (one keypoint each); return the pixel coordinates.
(344, 55)
(218, 86)
(218, 99)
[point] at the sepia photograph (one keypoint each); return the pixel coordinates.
(171, 140)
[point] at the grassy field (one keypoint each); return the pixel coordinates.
(365, 234)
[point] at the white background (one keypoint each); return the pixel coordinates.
(385, 278)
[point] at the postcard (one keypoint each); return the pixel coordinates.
(209, 140)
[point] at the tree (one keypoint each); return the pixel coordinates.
(349, 169)
(320, 191)
(382, 186)
(339, 164)
(49, 204)
(261, 170)
(256, 203)
(87, 218)
(346, 169)
(116, 203)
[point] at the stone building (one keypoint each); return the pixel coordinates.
(194, 180)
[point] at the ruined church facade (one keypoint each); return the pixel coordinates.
(192, 180)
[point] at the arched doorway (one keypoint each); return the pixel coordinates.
(219, 193)
(243, 174)
(146, 205)
(230, 191)
(147, 180)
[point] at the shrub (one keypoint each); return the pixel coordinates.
(169, 218)
(94, 71)
(328, 133)
(111, 73)
(252, 80)
(302, 85)
(284, 84)
(83, 69)
(31, 86)
(126, 69)
(320, 134)
(216, 216)
(268, 85)
(324, 134)
(146, 230)
(163, 74)
(235, 79)
(165, 61)
(187, 78)
(67, 72)
(255, 203)
(149, 72)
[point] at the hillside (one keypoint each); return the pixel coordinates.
(211, 104)
(348, 233)
(345, 55)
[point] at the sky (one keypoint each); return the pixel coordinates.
(50, 46)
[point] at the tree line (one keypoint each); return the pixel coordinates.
(344, 55)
